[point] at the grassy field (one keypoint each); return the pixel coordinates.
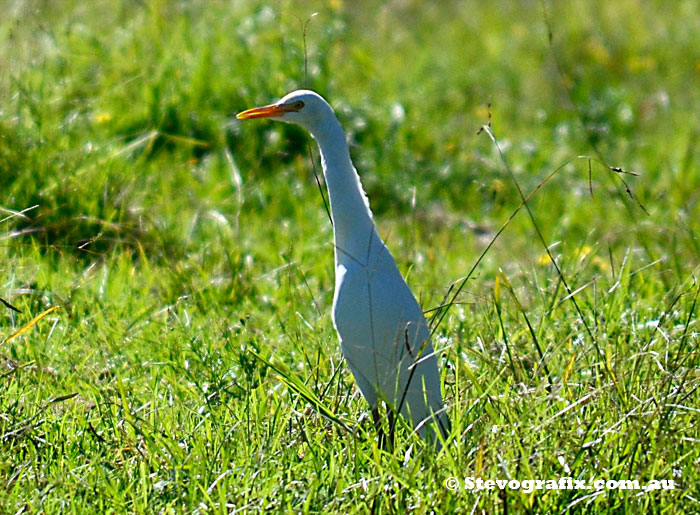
(191, 362)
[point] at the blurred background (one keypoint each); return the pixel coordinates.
(116, 117)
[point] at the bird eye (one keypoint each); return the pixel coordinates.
(298, 104)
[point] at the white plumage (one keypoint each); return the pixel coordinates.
(383, 333)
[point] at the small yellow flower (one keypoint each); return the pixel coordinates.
(543, 260)
(102, 118)
(597, 261)
(498, 186)
(583, 252)
(335, 5)
(600, 263)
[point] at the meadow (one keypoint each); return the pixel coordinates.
(167, 271)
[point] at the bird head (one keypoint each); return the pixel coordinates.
(303, 107)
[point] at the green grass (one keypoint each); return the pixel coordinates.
(191, 256)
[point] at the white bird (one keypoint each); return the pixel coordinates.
(383, 333)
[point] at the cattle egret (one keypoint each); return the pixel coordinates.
(383, 333)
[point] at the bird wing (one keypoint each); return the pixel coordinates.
(384, 336)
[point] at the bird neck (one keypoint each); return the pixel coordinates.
(353, 228)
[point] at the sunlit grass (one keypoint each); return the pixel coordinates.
(193, 366)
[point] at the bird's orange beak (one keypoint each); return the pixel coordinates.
(264, 112)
